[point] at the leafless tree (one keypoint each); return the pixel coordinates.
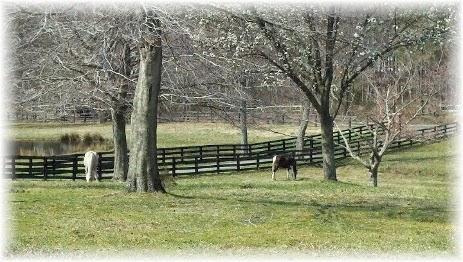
(323, 50)
(391, 114)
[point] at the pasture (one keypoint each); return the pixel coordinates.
(411, 211)
(169, 134)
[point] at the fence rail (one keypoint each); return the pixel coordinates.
(196, 160)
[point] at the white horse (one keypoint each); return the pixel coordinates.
(90, 163)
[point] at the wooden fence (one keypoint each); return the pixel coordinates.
(196, 160)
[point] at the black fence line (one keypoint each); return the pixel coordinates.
(211, 161)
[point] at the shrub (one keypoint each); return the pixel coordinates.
(64, 139)
(74, 138)
(71, 138)
(97, 138)
(87, 139)
(90, 139)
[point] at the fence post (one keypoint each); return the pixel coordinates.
(218, 163)
(268, 146)
(30, 166)
(350, 135)
(74, 168)
(181, 153)
(310, 154)
(257, 160)
(311, 143)
(45, 163)
(201, 152)
(238, 163)
(99, 168)
(284, 145)
(196, 165)
(163, 155)
(173, 166)
(53, 163)
(13, 167)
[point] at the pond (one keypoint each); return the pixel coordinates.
(50, 148)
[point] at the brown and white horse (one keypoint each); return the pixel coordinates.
(287, 162)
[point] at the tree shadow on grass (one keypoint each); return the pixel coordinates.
(429, 213)
(414, 159)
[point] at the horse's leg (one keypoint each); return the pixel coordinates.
(87, 174)
(287, 174)
(274, 169)
(96, 177)
(294, 172)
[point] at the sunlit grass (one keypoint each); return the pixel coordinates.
(169, 134)
(411, 211)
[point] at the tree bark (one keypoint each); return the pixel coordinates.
(118, 111)
(329, 166)
(143, 175)
(375, 161)
(121, 158)
(373, 177)
(303, 126)
(244, 126)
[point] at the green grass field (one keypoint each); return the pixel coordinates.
(169, 134)
(411, 211)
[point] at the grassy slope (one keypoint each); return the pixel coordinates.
(169, 134)
(410, 211)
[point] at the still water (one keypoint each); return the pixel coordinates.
(50, 148)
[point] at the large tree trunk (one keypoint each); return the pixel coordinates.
(121, 158)
(329, 166)
(118, 111)
(143, 175)
(303, 126)
(244, 126)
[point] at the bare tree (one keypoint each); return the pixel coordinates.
(324, 50)
(88, 52)
(303, 125)
(391, 114)
(143, 173)
(92, 49)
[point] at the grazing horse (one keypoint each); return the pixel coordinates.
(287, 162)
(90, 163)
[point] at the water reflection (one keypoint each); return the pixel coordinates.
(50, 148)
